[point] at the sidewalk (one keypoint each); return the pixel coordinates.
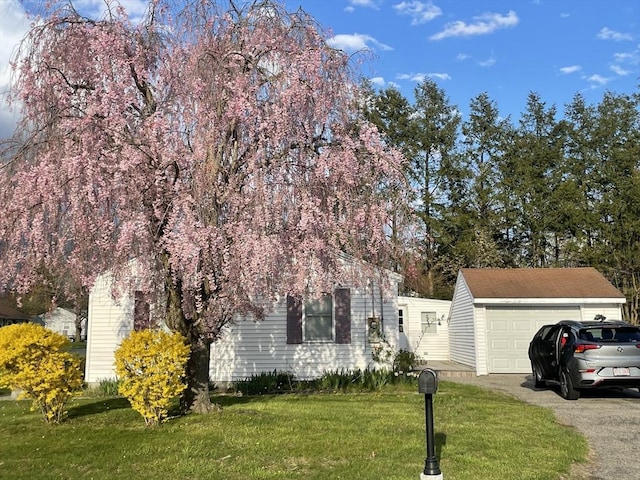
(447, 369)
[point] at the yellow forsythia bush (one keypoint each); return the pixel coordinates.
(35, 361)
(151, 367)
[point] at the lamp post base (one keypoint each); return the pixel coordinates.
(439, 476)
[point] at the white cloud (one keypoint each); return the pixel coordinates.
(629, 58)
(377, 81)
(420, 77)
(608, 34)
(375, 4)
(420, 12)
(356, 42)
(96, 8)
(439, 76)
(570, 69)
(618, 70)
(462, 57)
(489, 62)
(482, 25)
(598, 79)
(13, 27)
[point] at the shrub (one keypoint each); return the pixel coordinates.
(267, 383)
(151, 366)
(35, 361)
(107, 387)
(405, 361)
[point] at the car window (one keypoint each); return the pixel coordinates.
(610, 334)
(627, 334)
(547, 334)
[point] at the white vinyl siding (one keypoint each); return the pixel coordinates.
(462, 335)
(249, 347)
(109, 323)
(428, 346)
(610, 311)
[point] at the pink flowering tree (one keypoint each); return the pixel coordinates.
(221, 149)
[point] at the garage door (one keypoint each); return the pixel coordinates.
(509, 331)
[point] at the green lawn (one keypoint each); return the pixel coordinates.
(322, 436)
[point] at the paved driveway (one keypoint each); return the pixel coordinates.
(610, 419)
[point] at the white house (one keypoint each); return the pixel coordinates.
(63, 321)
(338, 331)
(487, 326)
(496, 312)
(423, 327)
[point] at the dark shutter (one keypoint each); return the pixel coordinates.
(141, 312)
(294, 320)
(343, 315)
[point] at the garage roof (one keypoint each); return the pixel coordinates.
(584, 282)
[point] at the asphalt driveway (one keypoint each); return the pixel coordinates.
(610, 419)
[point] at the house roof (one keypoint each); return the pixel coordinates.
(584, 282)
(8, 313)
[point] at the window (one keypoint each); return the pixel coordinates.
(401, 320)
(318, 319)
(429, 322)
(327, 319)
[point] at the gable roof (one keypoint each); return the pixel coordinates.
(584, 282)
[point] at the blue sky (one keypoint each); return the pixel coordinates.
(506, 48)
(556, 48)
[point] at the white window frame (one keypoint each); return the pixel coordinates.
(429, 322)
(333, 320)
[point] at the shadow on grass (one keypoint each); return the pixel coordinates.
(441, 441)
(99, 406)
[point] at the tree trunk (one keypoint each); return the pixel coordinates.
(196, 397)
(78, 325)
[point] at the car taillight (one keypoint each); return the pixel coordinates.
(586, 346)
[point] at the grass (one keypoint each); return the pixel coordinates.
(479, 434)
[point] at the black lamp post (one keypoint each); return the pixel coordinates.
(428, 384)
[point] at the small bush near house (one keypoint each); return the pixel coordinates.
(367, 380)
(108, 387)
(35, 361)
(151, 367)
(405, 361)
(342, 380)
(267, 383)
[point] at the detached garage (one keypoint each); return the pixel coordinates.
(496, 312)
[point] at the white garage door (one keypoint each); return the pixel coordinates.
(509, 331)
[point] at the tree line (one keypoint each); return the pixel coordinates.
(550, 190)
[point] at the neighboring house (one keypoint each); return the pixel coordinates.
(423, 327)
(337, 331)
(496, 312)
(9, 316)
(63, 321)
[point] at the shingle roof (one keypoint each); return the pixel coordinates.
(8, 313)
(539, 283)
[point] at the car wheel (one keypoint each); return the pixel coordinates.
(567, 389)
(537, 378)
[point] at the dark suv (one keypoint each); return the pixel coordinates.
(591, 354)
